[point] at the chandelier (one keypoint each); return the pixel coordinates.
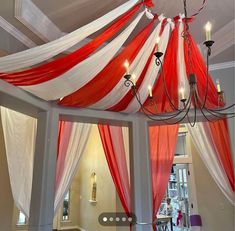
(189, 104)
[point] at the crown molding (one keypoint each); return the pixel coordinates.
(219, 66)
(35, 20)
(16, 33)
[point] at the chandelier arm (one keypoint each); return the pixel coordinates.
(165, 87)
(176, 113)
(149, 114)
(165, 120)
(216, 115)
(224, 108)
(192, 124)
(157, 120)
(221, 113)
(189, 101)
(203, 113)
(217, 112)
(147, 111)
(178, 121)
(201, 107)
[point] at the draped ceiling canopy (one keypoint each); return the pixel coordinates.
(92, 76)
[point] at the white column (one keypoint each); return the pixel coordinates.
(140, 172)
(42, 198)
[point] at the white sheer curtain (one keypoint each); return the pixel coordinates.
(83, 72)
(46, 51)
(19, 134)
(77, 143)
(202, 140)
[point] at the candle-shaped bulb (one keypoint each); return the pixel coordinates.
(133, 77)
(157, 44)
(218, 85)
(126, 65)
(182, 95)
(150, 91)
(208, 31)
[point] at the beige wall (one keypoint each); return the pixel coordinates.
(93, 160)
(216, 211)
(83, 213)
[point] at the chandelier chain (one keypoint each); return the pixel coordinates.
(186, 36)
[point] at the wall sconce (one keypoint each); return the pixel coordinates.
(93, 188)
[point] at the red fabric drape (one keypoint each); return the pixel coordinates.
(111, 137)
(65, 129)
(149, 3)
(221, 141)
(171, 79)
(199, 69)
(129, 96)
(107, 79)
(53, 69)
(163, 141)
(60, 134)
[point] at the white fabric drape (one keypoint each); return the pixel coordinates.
(202, 140)
(46, 51)
(83, 72)
(78, 140)
(19, 134)
(152, 72)
(136, 68)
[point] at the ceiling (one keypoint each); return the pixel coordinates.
(20, 21)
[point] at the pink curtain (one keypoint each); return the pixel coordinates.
(163, 141)
(221, 141)
(112, 140)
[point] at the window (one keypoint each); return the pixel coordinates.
(66, 207)
(22, 220)
(181, 144)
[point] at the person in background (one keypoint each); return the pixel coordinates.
(169, 208)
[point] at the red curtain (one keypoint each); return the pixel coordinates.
(171, 79)
(53, 69)
(112, 140)
(120, 106)
(162, 140)
(129, 96)
(199, 69)
(107, 79)
(221, 141)
(65, 129)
